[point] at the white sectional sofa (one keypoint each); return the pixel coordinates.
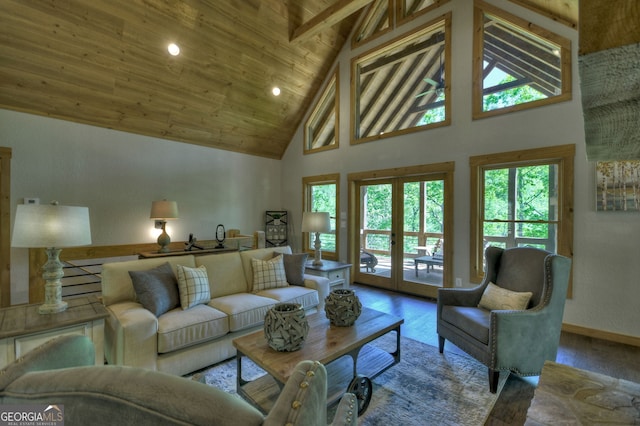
(181, 341)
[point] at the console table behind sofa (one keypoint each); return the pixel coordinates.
(83, 266)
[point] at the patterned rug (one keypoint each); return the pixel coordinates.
(426, 387)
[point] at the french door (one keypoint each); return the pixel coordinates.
(402, 240)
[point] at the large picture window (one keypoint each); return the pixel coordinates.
(322, 194)
(522, 198)
(404, 85)
(521, 206)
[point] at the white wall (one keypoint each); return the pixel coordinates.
(117, 175)
(606, 274)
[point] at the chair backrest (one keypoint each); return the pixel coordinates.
(522, 269)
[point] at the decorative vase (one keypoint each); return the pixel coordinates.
(286, 327)
(342, 307)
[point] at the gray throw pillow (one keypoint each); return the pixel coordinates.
(294, 267)
(157, 289)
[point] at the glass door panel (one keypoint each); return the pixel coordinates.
(422, 235)
(414, 209)
(375, 224)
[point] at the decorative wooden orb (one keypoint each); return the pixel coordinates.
(342, 307)
(286, 327)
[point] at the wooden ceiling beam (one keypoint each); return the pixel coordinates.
(327, 18)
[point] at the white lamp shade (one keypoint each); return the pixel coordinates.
(164, 210)
(316, 222)
(47, 225)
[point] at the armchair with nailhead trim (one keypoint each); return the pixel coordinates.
(61, 373)
(506, 338)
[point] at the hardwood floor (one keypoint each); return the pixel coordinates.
(613, 359)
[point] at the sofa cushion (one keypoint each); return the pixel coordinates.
(307, 297)
(498, 298)
(294, 267)
(226, 274)
(193, 285)
(157, 289)
(116, 281)
(268, 274)
(262, 254)
(178, 328)
(245, 310)
(474, 321)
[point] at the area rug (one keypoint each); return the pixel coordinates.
(426, 387)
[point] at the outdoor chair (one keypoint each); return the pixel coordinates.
(368, 260)
(486, 322)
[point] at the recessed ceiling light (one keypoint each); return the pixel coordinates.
(275, 91)
(173, 49)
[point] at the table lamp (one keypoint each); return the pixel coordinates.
(52, 227)
(162, 211)
(318, 222)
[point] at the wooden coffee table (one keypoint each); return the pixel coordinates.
(351, 363)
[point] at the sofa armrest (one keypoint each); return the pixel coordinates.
(131, 336)
(513, 332)
(459, 297)
(61, 352)
(321, 285)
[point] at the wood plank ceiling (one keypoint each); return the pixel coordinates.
(105, 63)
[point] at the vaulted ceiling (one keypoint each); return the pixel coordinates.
(105, 63)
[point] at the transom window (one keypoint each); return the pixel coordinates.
(403, 86)
(382, 16)
(517, 64)
(377, 21)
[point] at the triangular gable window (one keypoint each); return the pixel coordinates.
(321, 128)
(403, 86)
(517, 64)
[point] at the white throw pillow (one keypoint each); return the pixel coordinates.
(268, 274)
(193, 286)
(497, 298)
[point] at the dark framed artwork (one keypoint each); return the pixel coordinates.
(618, 186)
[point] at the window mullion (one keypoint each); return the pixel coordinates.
(511, 214)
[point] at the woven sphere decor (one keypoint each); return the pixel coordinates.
(342, 307)
(286, 327)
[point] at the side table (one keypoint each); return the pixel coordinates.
(338, 273)
(22, 328)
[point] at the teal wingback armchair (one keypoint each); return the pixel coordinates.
(518, 341)
(61, 372)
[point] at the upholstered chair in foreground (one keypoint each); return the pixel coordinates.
(61, 372)
(512, 320)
